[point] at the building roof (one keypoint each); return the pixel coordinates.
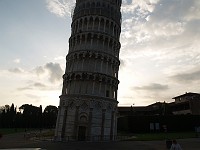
(129, 108)
(187, 94)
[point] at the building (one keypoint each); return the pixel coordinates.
(188, 103)
(179, 116)
(88, 104)
(157, 108)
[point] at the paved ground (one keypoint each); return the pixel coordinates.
(18, 141)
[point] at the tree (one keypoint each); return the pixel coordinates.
(7, 116)
(50, 116)
(30, 115)
(12, 115)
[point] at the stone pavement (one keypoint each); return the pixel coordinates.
(18, 141)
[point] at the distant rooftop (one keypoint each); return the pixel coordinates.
(187, 94)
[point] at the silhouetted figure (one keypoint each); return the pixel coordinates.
(175, 146)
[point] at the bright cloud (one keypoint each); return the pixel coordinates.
(59, 58)
(159, 44)
(61, 8)
(33, 85)
(17, 61)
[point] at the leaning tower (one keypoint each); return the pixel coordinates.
(88, 104)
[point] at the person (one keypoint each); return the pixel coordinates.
(175, 146)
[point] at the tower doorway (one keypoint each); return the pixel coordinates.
(82, 133)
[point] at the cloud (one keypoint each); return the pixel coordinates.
(191, 10)
(165, 25)
(40, 85)
(33, 86)
(159, 42)
(51, 70)
(39, 70)
(152, 87)
(59, 58)
(187, 77)
(17, 61)
(55, 71)
(141, 7)
(43, 78)
(60, 8)
(24, 88)
(36, 97)
(16, 70)
(122, 63)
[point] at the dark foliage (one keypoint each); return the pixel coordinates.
(28, 116)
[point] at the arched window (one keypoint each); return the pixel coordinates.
(90, 23)
(83, 118)
(93, 4)
(98, 4)
(96, 23)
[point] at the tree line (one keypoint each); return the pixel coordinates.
(28, 116)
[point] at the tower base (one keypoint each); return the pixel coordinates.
(86, 118)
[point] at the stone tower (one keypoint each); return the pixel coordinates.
(88, 104)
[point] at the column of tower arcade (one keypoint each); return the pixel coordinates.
(90, 84)
(95, 42)
(97, 23)
(92, 62)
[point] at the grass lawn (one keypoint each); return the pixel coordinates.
(4, 131)
(163, 136)
(45, 133)
(48, 133)
(132, 137)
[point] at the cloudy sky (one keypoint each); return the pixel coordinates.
(160, 52)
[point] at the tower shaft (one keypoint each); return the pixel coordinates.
(88, 104)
